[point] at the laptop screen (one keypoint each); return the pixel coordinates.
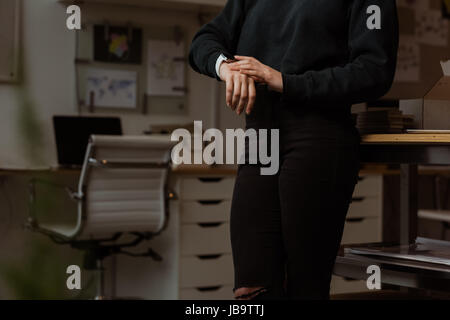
(72, 135)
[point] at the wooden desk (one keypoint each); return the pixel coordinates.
(408, 150)
(407, 138)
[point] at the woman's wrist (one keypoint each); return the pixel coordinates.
(275, 82)
(223, 69)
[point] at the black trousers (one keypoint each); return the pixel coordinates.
(286, 228)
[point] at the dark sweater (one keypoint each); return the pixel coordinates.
(323, 48)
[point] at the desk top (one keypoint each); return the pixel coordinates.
(407, 138)
(389, 140)
(224, 170)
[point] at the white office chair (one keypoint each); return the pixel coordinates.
(122, 190)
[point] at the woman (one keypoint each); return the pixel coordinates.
(298, 67)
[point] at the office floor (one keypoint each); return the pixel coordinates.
(393, 295)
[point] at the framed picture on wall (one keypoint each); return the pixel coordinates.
(116, 44)
(10, 40)
(110, 88)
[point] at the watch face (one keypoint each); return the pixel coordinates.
(229, 57)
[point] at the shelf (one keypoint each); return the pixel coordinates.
(169, 4)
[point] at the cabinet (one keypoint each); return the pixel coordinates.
(149, 3)
(363, 225)
(205, 264)
(205, 260)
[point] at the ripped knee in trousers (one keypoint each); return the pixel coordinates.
(249, 293)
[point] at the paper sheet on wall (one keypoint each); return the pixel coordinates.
(165, 75)
(111, 88)
(431, 28)
(408, 62)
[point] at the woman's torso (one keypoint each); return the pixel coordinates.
(295, 36)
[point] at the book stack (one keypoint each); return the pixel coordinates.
(382, 120)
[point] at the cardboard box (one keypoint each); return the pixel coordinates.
(433, 111)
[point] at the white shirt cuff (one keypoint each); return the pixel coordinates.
(219, 61)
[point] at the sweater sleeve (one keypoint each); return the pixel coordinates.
(372, 61)
(218, 36)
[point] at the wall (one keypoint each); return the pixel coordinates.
(47, 49)
(49, 52)
(430, 68)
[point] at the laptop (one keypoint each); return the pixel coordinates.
(72, 135)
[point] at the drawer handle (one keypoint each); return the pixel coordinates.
(210, 224)
(350, 279)
(209, 256)
(203, 289)
(355, 220)
(358, 199)
(210, 179)
(210, 202)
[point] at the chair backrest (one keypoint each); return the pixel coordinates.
(123, 184)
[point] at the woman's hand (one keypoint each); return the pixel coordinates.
(258, 72)
(240, 89)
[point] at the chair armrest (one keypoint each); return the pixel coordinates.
(74, 195)
(62, 233)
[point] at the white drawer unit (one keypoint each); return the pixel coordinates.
(204, 271)
(205, 262)
(364, 215)
(365, 207)
(361, 230)
(204, 211)
(369, 186)
(341, 285)
(206, 188)
(205, 239)
(363, 225)
(207, 293)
